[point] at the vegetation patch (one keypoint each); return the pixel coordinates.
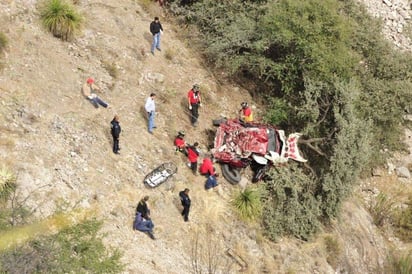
(3, 42)
(247, 203)
(77, 249)
(61, 18)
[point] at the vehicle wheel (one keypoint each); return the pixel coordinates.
(232, 175)
(219, 121)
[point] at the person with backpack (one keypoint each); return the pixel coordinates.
(89, 91)
(185, 199)
(193, 155)
(195, 101)
(115, 131)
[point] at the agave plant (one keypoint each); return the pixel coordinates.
(248, 204)
(61, 19)
(7, 183)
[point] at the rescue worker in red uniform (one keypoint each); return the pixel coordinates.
(180, 142)
(193, 155)
(245, 113)
(194, 101)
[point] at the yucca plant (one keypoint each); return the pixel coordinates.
(7, 183)
(248, 204)
(61, 19)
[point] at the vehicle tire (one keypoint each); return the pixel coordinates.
(219, 121)
(232, 175)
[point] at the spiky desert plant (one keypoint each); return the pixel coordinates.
(7, 183)
(61, 18)
(247, 203)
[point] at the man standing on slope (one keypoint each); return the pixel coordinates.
(185, 199)
(150, 109)
(156, 29)
(194, 100)
(115, 130)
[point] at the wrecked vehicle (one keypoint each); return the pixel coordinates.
(260, 146)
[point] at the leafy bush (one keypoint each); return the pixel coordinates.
(3, 41)
(77, 249)
(247, 203)
(61, 19)
(290, 207)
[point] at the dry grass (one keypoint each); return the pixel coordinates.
(111, 68)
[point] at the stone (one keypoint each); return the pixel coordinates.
(403, 172)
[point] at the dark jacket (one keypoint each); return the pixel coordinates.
(116, 129)
(184, 198)
(143, 209)
(155, 27)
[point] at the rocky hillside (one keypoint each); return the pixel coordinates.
(59, 145)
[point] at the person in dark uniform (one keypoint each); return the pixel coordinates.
(185, 199)
(115, 130)
(143, 208)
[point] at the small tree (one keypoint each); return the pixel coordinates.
(61, 19)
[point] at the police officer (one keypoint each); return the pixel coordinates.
(115, 130)
(185, 199)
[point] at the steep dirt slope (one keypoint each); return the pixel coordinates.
(60, 146)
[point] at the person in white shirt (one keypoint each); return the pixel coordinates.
(150, 109)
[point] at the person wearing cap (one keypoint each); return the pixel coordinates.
(245, 113)
(185, 200)
(89, 90)
(194, 100)
(180, 142)
(150, 109)
(192, 155)
(115, 131)
(156, 29)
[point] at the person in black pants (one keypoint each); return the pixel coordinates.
(116, 129)
(185, 199)
(143, 208)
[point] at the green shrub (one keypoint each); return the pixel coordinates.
(289, 204)
(382, 209)
(247, 203)
(61, 19)
(77, 249)
(3, 41)
(403, 222)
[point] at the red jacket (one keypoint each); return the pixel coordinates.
(180, 142)
(207, 167)
(194, 97)
(192, 154)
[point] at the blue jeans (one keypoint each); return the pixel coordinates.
(151, 121)
(96, 101)
(156, 42)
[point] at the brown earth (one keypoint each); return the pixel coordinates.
(60, 146)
